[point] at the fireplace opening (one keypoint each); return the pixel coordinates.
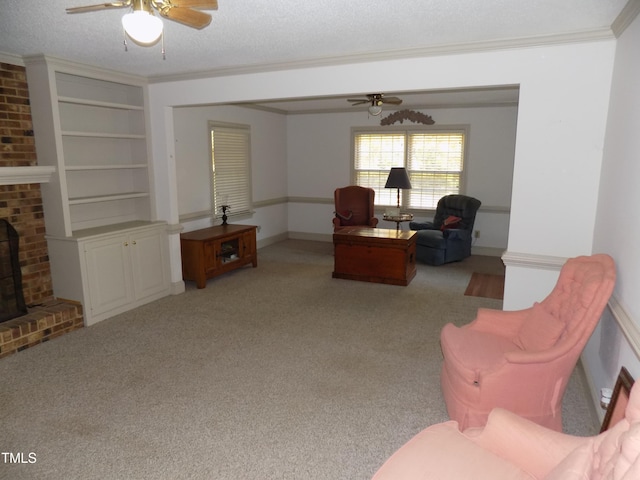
(12, 302)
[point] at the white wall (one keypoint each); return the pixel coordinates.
(558, 144)
(319, 157)
(617, 230)
(562, 114)
(192, 153)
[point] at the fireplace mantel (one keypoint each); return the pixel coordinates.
(22, 175)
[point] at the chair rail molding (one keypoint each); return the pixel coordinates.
(629, 328)
(543, 262)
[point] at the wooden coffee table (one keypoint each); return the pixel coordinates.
(375, 255)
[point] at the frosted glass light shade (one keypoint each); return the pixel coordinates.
(375, 110)
(142, 27)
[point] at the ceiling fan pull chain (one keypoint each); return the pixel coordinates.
(124, 41)
(164, 57)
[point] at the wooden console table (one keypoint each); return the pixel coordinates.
(375, 255)
(213, 251)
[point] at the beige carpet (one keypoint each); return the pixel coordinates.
(278, 372)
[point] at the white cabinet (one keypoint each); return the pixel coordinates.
(117, 270)
(108, 272)
(105, 249)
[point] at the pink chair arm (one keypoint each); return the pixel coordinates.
(505, 323)
(544, 356)
(442, 452)
(531, 447)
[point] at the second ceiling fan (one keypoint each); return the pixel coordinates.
(375, 101)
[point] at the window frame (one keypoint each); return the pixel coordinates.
(406, 130)
(217, 199)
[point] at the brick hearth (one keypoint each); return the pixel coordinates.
(21, 205)
(44, 322)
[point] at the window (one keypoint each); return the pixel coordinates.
(433, 159)
(230, 172)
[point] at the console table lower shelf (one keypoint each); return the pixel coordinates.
(213, 251)
(375, 255)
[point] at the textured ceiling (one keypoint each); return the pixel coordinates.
(252, 35)
(263, 34)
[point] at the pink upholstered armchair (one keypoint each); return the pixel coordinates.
(354, 206)
(511, 447)
(521, 360)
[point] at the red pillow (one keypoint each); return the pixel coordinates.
(451, 222)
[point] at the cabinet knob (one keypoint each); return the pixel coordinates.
(134, 242)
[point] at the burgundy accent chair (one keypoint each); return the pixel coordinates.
(521, 360)
(354, 206)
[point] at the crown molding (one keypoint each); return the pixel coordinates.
(11, 59)
(72, 67)
(626, 17)
(444, 106)
(449, 49)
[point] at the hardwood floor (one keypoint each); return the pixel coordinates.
(485, 285)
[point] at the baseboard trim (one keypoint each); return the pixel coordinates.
(265, 242)
(324, 237)
(631, 333)
(178, 287)
(487, 251)
(597, 414)
(318, 237)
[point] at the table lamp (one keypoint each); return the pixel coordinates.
(398, 178)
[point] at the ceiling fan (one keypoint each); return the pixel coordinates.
(144, 27)
(375, 100)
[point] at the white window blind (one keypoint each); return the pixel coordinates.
(434, 161)
(230, 173)
(435, 165)
(375, 154)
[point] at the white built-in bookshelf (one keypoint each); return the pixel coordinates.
(90, 127)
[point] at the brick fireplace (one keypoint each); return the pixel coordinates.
(21, 206)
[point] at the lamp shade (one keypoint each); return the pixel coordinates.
(142, 27)
(375, 110)
(398, 178)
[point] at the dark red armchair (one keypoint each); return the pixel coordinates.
(354, 206)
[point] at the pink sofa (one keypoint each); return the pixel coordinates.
(511, 447)
(522, 360)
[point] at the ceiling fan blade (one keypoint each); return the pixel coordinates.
(200, 4)
(392, 100)
(357, 101)
(187, 16)
(100, 6)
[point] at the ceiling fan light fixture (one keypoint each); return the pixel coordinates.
(375, 110)
(142, 26)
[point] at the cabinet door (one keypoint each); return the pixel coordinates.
(108, 273)
(248, 244)
(210, 256)
(149, 260)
